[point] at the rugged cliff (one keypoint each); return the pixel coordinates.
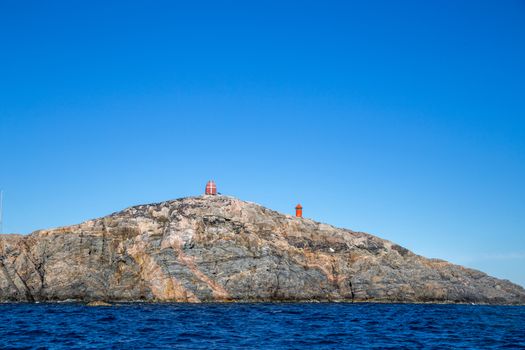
(218, 248)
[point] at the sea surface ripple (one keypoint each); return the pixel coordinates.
(256, 326)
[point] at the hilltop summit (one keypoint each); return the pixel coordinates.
(219, 248)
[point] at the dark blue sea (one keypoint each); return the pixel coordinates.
(256, 326)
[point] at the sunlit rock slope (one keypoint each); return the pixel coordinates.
(219, 248)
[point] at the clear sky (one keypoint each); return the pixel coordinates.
(401, 119)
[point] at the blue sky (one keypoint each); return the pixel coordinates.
(401, 119)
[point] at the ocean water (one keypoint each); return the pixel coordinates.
(255, 326)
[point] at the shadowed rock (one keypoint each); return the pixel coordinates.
(218, 248)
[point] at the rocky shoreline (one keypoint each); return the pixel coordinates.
(222, 249)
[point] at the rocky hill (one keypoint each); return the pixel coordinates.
(218, 248)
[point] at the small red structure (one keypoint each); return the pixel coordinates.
(299, 211)
(211, 188)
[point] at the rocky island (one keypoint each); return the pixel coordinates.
(220, 249)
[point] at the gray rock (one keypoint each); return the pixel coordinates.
(218, 248)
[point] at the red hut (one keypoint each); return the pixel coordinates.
(211, 188)
(299, 211)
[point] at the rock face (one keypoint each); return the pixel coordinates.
(218, 248)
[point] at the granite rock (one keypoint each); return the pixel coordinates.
(219, 248)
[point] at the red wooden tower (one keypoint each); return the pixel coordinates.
(299, 211)
(211, 188)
